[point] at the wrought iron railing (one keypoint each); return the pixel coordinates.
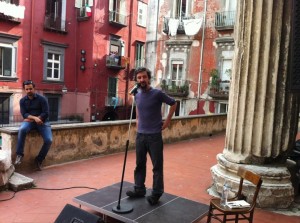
(54, 23)
(117, 17)
(225, 20)
(116, 62)
(113, 101)
(176, 88)
(180, 29)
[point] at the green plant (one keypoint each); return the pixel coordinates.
(215, 79)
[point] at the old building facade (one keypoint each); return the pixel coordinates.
(79, 54)
(190, 48)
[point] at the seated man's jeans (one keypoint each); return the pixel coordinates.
(44, 130)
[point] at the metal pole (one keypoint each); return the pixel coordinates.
(125, 208)
(202, 48)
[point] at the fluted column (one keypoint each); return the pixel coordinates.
(262, 116)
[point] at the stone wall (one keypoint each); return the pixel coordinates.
(85, 140)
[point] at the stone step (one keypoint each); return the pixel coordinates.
(19, 182)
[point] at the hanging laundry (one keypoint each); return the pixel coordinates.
(173, 26)
(192, 26)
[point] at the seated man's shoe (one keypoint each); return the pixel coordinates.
(153, 199)
(38, 164)
(135, 193)
(18, 160)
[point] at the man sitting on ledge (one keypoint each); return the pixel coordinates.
(35, 111)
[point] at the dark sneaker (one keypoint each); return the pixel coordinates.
(153, 200)
(135, 193)
(18, 160)
(38, 164)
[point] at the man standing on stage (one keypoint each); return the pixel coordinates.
(149, 135)
(35, 111)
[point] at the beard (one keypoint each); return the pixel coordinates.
(144, 85)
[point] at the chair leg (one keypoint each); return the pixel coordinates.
(209, 214)
(224, 218)
(236, 218)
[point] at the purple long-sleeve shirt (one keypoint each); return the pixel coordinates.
(149, 105)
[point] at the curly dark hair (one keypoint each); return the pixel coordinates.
(142, 69)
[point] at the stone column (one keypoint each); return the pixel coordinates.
(263, 116)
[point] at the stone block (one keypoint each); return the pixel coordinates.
(20, 182)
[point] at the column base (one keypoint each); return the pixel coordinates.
(276, 191)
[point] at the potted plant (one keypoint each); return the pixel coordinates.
(214, 80)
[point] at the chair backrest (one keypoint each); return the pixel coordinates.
(251, 177)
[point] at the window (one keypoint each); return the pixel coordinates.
(181, 9)
(53, 63)
(139, 54)
(53, 66)
(8, 55)
(177, 71)
(4, 108)
(230, 5)
(82, 3)
(222, 108)
(16, 2)
(54, 102)
(56, 14)
(142, 14)
(112, 87)
(226, 69)
(116, 47)
(117, 11)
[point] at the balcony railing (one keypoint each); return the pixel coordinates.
(221, 91)
(113, 101)
(82, 14)
(180, 29)
(11, 12)
(224, 20)
(117, 18)
(116, 62)
(53, 23)
(175, 88)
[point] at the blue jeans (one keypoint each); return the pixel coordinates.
(44, 130)
(153, 144)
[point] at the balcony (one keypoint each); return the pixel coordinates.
(55, 24)
(189, 26)
(11, 12)
(176, 88)
(224, 20)
(82, 14)
(220, 92)
(113, 101)
(180, 29)
(117, 19)
(116, 62)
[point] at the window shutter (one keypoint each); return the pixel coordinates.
(90, 2)
(145, 12)
(78, 4)
(111, 5)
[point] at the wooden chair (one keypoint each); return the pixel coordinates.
(216, 211)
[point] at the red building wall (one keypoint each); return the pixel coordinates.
(86, 89)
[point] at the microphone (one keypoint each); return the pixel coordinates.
(134, 89)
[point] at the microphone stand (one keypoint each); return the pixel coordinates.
(125, 208)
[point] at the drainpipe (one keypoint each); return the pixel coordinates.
(129, 54)
(31, 39)
(202, 47)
